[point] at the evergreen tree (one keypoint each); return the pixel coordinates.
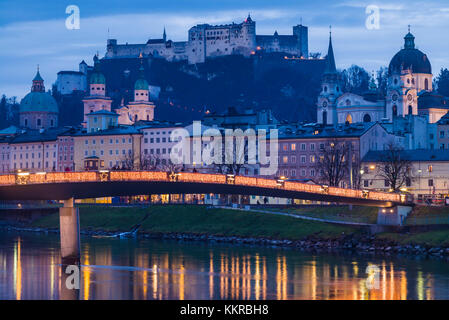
(442, 82)
(382, 80)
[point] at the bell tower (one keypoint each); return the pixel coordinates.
(330, 90)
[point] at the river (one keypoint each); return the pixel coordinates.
(158, 269)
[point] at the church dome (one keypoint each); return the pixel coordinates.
(410, 58)
(141, 84)
(97, 78)
(38, 102)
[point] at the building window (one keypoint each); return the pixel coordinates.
(430, 182)
(366, 118)
(365, 183)
(293, 146)
(430, 168)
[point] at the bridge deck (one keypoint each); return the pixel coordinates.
(79, 185)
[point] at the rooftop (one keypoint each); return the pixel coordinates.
(410, 155)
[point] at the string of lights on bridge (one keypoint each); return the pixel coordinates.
(22, 178)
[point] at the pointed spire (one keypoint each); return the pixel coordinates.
(38, 77)
(38, 82)
(330, 59)
(164, 35)
(409, 40)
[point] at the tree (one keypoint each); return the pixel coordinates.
(239, 155)
(355, 79)
(442, 82)
(394, 169)
(333, 162)
(382, 80)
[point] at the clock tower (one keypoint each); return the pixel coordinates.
(409, 75)
(330, 90)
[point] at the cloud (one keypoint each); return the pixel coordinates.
(49, 44)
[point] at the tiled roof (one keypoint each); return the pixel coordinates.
(319, 131)
(109, 132)
(410, 155)
(37, 136)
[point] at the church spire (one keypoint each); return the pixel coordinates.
(38, 82)
(409, 40)
(330, 59)
(164, 35)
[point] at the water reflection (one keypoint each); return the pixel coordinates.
(130, 269)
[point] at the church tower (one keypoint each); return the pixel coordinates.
(141, 108)
(97, 100)
(409, 75)
(330, 90)
(38, 109)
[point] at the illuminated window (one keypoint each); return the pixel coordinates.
(293, 146)
(430, 168)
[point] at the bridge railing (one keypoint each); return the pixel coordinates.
(105, 175)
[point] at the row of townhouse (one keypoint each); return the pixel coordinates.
(427, 177)
(301, 148)
(36, 150)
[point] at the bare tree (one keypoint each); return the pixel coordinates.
(238, 153)
(149, 162)
(333, 162)
(169, 166)
(356, 174)
(394, 169)
(129, 162)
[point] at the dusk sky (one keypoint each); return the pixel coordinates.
(34, 32)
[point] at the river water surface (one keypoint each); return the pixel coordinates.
(156, 269)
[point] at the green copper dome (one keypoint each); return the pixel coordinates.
(141, 84)
(97, 78)
(38, 102)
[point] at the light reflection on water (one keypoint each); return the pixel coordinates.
(151, 269)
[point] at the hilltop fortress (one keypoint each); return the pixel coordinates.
(208, 41)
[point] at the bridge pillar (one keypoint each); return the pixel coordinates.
(69, 226)
(394, 216)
